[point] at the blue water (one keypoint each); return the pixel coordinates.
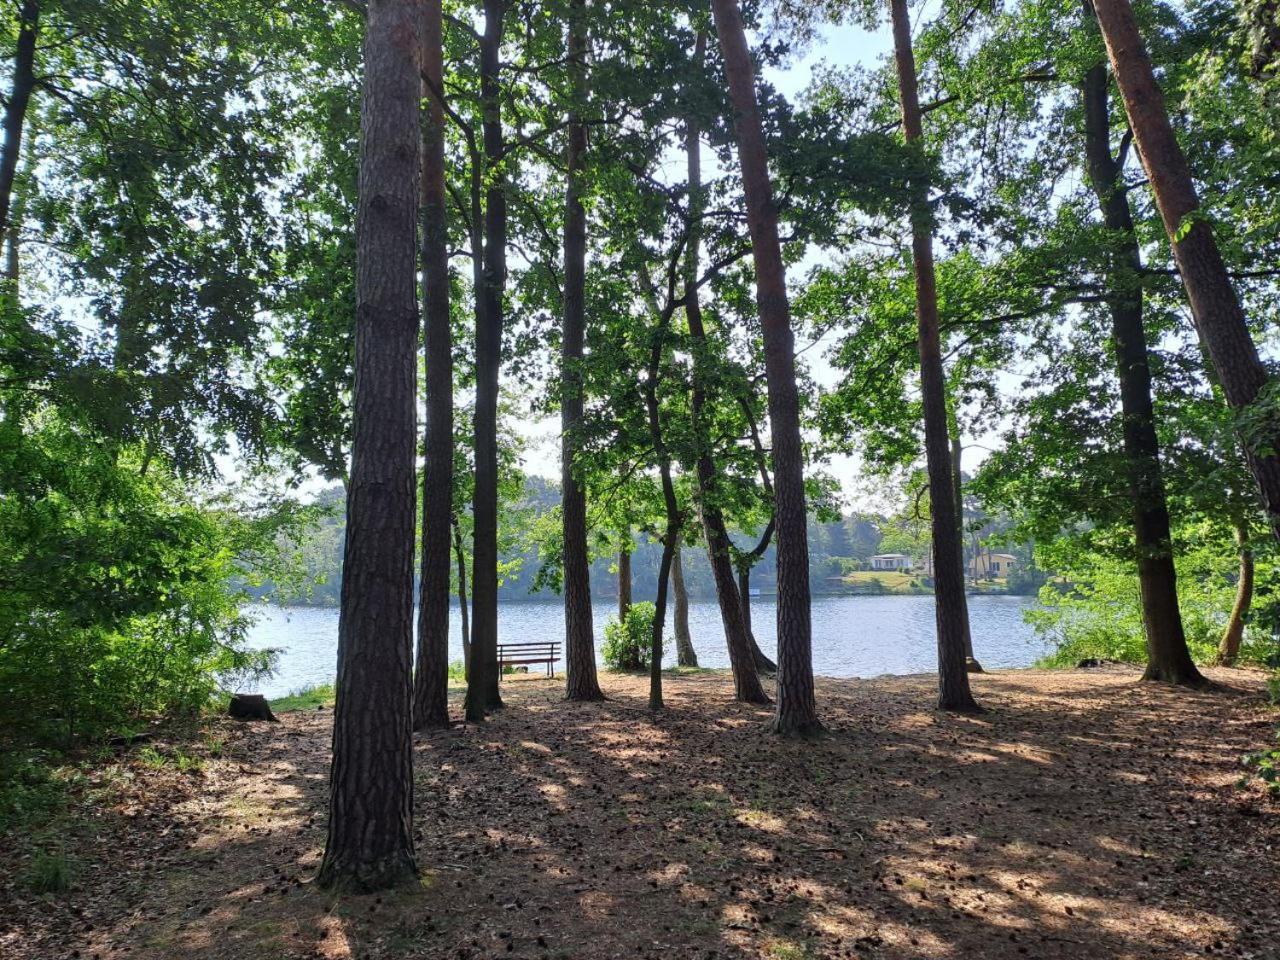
(852, 636)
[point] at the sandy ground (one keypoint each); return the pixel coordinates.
(1084, 815)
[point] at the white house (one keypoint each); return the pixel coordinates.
(891, 561)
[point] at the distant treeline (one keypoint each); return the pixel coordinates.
(835, 549)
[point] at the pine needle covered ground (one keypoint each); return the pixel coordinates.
(1085, 815)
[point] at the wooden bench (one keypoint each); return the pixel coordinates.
(521, 654)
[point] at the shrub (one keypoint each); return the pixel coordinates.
(627, 644)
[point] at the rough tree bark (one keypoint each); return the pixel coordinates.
(581, 681)
(950, 603)
(482, 685)
(1168, 658)
(1219, 317)
(797, 713)
(1233, 635)
(686, 656)
(431, 682)
(15, 108)
(742, 660)
(370, 836)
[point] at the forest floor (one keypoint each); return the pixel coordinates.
(1084, 815)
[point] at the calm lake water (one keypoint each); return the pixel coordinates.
(852, 636)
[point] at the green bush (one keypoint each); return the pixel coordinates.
(627, 644)
(1095, 610)
(119, 600)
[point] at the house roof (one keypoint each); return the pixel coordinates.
(891, 556)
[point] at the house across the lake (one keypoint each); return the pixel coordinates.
(891, 561)
(984, 566)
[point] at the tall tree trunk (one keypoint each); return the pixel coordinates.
(1233, 635)
(686, 656)
(370, 838)
(950, 603)
(797, 713)
(581, 682)
(431, 683)
(624, 577)
(742, 660)
(1218, 314)
(464, 612)
(15, 108)
(1168, 658)
(482, 686)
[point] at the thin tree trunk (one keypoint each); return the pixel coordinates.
(1219, 317)
(464, 612)
(370, 836)
(686, 656)
(431, 683)
(15, 108)
(797, 713)
(1168, 658)
(1233, 635)
(747, 561)
(670, 504)
(482, 688)
(957, 449)
(758, 656)
(746, 678)
(948, 556)
(581, 681)
(624, 577)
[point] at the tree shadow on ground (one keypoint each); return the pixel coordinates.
(1084, 815)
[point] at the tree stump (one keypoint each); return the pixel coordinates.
(250, 706)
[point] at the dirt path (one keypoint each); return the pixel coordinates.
(1085, 815)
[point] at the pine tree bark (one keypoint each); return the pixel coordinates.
(1233, 635)
(23, 84)
(796, 713)
(951, 605)
(742, 660)
(1168, 658)
(686, 656)
(1219, 317)
(370, 834)
(582, 682)
(482, 685)
(748, 560)
(431, 682)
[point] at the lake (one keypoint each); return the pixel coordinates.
(862, 636)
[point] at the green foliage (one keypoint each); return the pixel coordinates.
(627, 644)
(1093, 610)
(1265, 765)
(118, 600)
(32, 790)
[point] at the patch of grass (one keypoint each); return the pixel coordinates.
(33, 790)
(48, 873)
(787, 950)
(305, 698)
(178, 758)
